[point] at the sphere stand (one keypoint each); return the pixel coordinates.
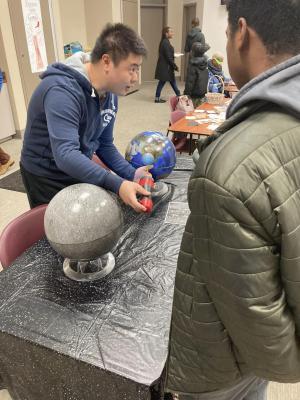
(159, 190)
(89, 270)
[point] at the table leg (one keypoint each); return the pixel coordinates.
(191, 140)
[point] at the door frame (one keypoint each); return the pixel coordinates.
(164, 7)
(184, 59)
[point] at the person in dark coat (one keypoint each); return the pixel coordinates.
(236, 308)
(165, 65)
(195, 35)
(197, 73)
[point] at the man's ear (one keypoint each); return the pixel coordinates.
(242, 35)
(107, 61)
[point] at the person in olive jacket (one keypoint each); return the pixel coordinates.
(236, 310)
(197, 73)
(165, 65)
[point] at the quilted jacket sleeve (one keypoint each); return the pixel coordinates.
(247, 281)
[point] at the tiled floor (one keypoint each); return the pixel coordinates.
(137, 113)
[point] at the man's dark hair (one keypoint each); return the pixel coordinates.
(118, 41)
(277, 22)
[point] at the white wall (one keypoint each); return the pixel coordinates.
(174, 20)
(73, 25)
(116, 11)
(98, 14)
(214, 28)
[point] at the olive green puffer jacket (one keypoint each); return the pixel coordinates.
(237, 293)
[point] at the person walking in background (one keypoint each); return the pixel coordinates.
(195, 35)
(197, 73)
(166, 67)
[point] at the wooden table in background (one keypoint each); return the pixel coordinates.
(231, 88)
(182, 125)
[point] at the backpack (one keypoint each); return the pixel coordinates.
(185, 104)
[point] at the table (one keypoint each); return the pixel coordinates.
(231, 88)
(61, 339)
(183, 124)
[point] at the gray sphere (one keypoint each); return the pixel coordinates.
(83, 222)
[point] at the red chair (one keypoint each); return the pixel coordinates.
(21, 233)
(173, 100)
(180, 140)
(176, 115)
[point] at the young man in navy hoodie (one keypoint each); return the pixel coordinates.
(71, 116)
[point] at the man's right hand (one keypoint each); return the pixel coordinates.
(128, 191)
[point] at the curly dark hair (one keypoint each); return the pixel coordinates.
(277, 22)
(118, 41)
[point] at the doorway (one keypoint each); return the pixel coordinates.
(153, 15)
(189, 13)
(30, 80)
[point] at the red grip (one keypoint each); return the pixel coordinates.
(147, 183)
(148, 203)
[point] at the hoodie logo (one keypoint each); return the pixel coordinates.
(107, 115)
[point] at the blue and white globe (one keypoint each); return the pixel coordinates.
(152, 148)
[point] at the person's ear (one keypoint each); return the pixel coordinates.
(107, 62)
(242, 35)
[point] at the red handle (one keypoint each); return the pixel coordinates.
(148, 184)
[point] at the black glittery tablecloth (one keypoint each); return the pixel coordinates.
(106, 340)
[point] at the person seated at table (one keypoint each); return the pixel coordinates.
(197, 73)
(71, 116)
(215, 71)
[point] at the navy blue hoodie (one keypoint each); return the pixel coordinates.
(67, 123)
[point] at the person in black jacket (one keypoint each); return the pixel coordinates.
(195, 35)
(165, 65)
(197, 73)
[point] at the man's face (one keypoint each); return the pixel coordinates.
(235, 63)
(122, 77)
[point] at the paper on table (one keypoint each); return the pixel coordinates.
(199, 111)
(203, 121)
(178, 54)
(190, 117)
(212, 127)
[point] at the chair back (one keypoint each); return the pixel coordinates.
(173, 100)
(21, 233)
(176, 115)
